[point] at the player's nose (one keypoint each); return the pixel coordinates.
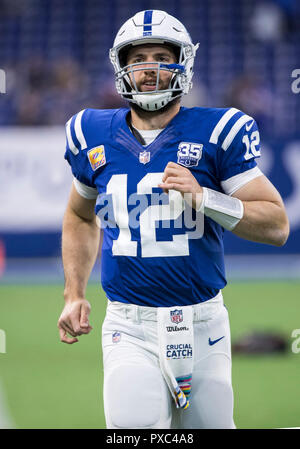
(150, 66)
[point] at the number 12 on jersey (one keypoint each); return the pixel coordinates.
(150, 247)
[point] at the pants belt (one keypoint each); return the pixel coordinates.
(201, 311)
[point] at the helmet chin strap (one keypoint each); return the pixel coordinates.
(152, 102)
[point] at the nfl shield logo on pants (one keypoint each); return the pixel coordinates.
(116, 337)
(176, 316)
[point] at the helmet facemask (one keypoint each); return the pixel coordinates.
(155, 99)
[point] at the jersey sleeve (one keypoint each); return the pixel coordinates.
(238, 148)
(76, 149)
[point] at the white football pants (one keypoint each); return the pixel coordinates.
(136, 395)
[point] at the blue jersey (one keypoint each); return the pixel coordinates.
(156, 250)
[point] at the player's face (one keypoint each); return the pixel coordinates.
(145, 55)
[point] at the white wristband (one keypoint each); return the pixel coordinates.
(223, 209)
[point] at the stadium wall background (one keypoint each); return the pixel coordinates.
(36, 182)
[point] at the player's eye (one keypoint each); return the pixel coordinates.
(163, 58)
(137, 60)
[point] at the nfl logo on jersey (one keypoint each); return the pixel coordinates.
(189, 153)
(144, 157)
(176, 316)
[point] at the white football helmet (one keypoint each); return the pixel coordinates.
(156, 27)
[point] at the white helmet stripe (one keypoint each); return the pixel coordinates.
(221, 124)
(234, 130)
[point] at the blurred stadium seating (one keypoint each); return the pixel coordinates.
(56, 56)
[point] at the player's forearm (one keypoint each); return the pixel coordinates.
(80, 243)
(263, 222)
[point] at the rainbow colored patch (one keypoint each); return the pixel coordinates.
(96, 157)
(183, 392)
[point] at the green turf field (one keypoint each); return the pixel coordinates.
(49, 384)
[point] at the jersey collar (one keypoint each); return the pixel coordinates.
(124, 137)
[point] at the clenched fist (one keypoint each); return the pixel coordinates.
(177, 177)
(74, 320)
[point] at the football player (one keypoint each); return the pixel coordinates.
(165, 182)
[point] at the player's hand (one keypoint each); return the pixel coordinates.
(177, 177)
(74, 320)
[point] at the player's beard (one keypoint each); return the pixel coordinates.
(142, 113)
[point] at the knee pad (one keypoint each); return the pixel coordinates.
(136, 397)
